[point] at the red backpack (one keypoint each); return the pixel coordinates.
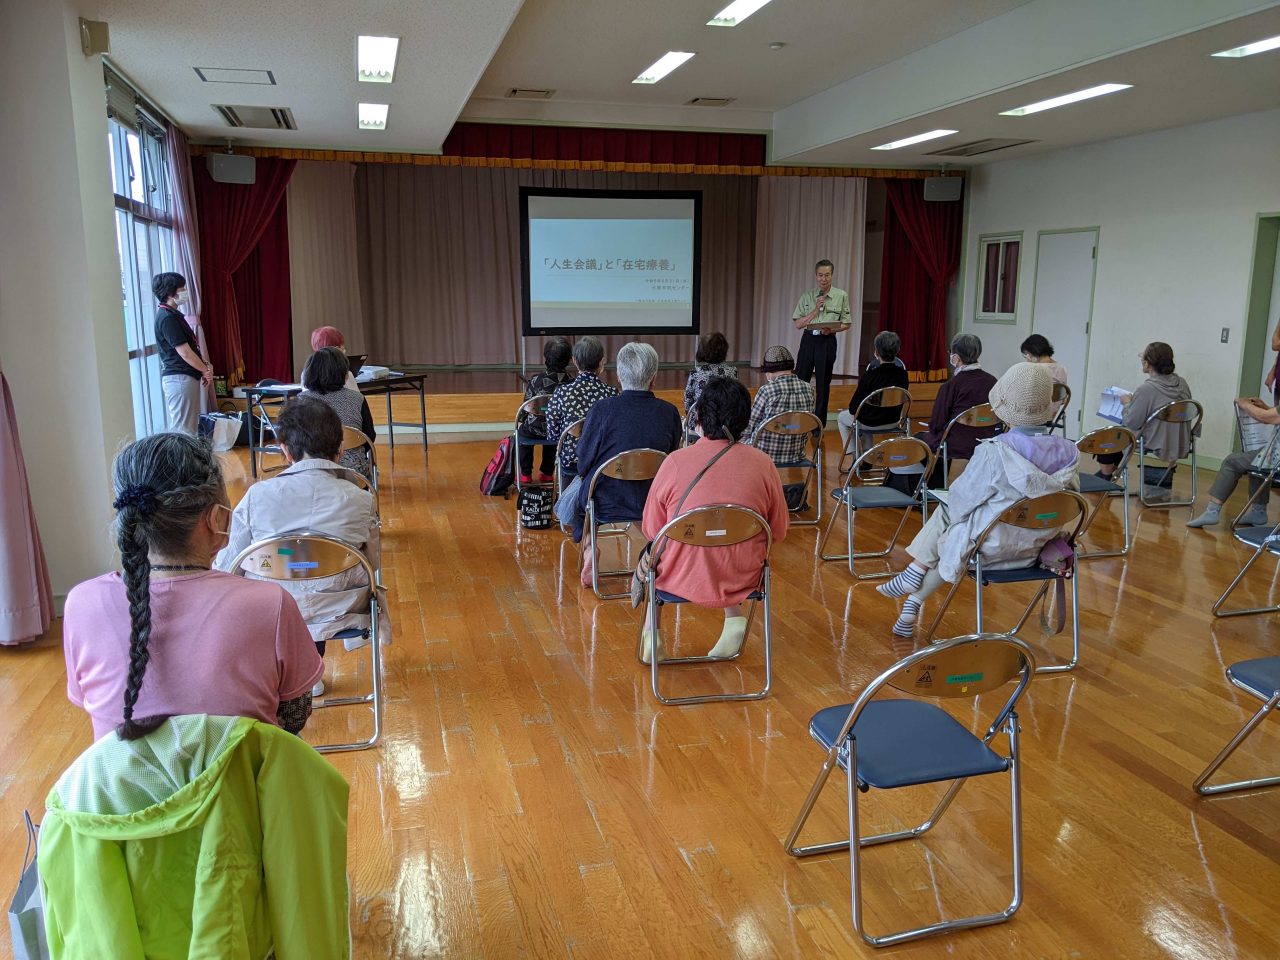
(500, 473)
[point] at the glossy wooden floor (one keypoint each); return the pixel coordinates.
(531, 800)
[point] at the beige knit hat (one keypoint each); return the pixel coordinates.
(777, 358)
(1023, 397)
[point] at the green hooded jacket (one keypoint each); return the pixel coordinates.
(212, 838)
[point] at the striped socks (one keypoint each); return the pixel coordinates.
(909, 580)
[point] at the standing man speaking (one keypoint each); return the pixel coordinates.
(821, 313)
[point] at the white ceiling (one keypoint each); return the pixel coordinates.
(853, 73)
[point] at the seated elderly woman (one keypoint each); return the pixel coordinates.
(885, 370)
(735, 473)
(1237, 465)
(968, 386)
(314, 495)
(1025, 461)
(572, 400)
(169, 635)
(708, 362)
(324, 375)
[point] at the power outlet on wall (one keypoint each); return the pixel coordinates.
(1226, 334)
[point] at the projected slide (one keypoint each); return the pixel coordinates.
(610, 261)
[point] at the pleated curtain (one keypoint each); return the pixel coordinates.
(26, 599)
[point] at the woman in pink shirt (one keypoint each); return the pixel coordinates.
(170, 636)
(719, 577)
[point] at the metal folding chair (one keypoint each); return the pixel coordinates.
(265, 425)
(1108, 440)
(353, 439)
(630, 465)
(1259, 678)
(1262, 539)
(980, 418)
(1267, 478)
(1062, 395)
(892, 743)
(709, 527)
(850, 498)
(313, 556)
(572, 432)
(1052, 511)
(796, 424)
(1179, 411)
(533, 407)
(882, 400)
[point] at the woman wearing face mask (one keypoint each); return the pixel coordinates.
(168, 635)
(183, 372)
(969, 386)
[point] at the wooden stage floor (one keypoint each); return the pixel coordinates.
(531, 800)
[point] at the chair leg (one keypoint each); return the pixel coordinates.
(810, 801)
(835, 515)
(1201, 786)
(374, 698)
(1265, 485)
(1128, 535)
(937, 618)
(1218, 606)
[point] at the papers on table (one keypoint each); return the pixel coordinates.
(1112, 406)
(1254, 435)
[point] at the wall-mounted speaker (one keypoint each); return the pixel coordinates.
(231, 167)
(95, 37)
(938, 189)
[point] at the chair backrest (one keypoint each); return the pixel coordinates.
(1109, 440)
(353, 439)
(1046, 511)
(716, 525)
(791, 423)
(896, 452)
(1179, 411)
(640, 464)
(303, 556)
(979, 417)
(1061, 393)
(887, 398)
(533, 407)
(572, 432)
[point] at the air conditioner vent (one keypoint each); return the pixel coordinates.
(264, 78)
(975, 147)
(258, 118)
(710, 102)
(529, 93)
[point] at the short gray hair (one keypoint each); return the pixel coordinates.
(967, 347)
(637, 365)
(887, 344)
(588, 353)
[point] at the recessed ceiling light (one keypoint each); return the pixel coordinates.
(666, 63)
(735, 13)
(373, 116)
(1249, 49)
(1098, 91)
(918, 138)
(376, 58)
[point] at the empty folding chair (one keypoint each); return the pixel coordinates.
(261, 426)
(533, 407)
(1262, 539)
(353, 439)
(1066, 512)
(980, 418)
(896, 452)
(1179, 411)
(1062, 395)
(883, 401)
(887, 744)
(1108, 440)
(797, 424)
(710, 527)
(313, 556)
(1259, 678)
(629, 466)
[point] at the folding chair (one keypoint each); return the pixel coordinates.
(1062, 395)
(533, 407)
(882, 400)
(1267, 477)
(1179, 411)
(894, 452)
(1260, 678)
(1261, 539)
(1108, 440)
(795, 424)
(980, 417)
(1051, 511)
(893, 743)
(353, 439)
(710, 527)
(265, 425)
(314, 556)
(630, 465)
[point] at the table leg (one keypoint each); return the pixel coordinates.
(391, 424)
(422, 408)
(253, 447)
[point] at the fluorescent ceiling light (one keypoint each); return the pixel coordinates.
(1249, 49)
(1062, 101)
(373, 116)
(666, 63)
(376, 58)
(918, 138)
(735, 13)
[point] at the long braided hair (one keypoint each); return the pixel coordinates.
(163, 484)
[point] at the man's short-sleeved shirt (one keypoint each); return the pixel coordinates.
(834, 310)
(172, 331)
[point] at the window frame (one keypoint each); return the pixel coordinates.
(986, 240)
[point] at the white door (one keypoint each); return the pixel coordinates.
(1065, 262)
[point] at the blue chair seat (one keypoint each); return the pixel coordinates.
(1091, 484)
(528, 441)
(941, 749)
(1015, 575)
(870, 498)
(664, 597)
(1254, 536)
(351, 633)
(1262, 676)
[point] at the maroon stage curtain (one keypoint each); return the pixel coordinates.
(921, 259)
(232, 219)
(594, 148)
(261, 286)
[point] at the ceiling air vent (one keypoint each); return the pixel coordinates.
(529, 93)
(976, 147)
(263, 78)
(258, 118)
(710, 102)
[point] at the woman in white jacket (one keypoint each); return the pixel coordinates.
(1026, 461)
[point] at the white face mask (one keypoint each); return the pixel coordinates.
(183, 297)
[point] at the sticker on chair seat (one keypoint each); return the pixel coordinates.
(302, 564)
(717, 533)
